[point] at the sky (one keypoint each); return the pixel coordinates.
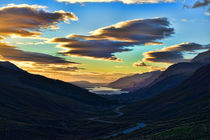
(101, 40)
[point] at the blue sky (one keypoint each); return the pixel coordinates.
(190, 25)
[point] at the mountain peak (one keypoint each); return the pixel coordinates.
(202, 57)
(9, 65)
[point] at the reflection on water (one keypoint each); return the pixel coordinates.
(139, 126)
(106, 90)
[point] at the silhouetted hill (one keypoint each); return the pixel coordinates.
(36, 107)
(40, 83)
(9, 65)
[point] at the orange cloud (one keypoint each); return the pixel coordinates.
(27, 20)
(139, 64)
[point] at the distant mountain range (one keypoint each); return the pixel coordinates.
(86, 84)
(134, 82)
(171, 77)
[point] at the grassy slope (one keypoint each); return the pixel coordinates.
(180, 113)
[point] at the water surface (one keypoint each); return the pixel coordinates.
(106, 90)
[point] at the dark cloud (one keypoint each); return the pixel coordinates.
(174, 53)
(99, 49)
(11, 53)
(26, 20)
(201, 3)
(140, 31)
(104, 42)
(185, 47)
(164, 56)
(72, 69)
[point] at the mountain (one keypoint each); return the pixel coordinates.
(171, 77)
(181, 112)
(86, 84)
(202, 57)
(191, 96)
(36, 107)
(136, 81)
(9, 65)
(174, 75)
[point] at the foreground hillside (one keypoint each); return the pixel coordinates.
(182, 112)
(35, 107)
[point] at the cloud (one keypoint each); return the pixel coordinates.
(201, 3)
(139, 64)
(65, 69)
(97, 49)
(173, 54)
(1, 38)
(139, 30)
(27, 20)
(207, 13)
(123, 1)
(104, 42)
(149, 67)
(11, 53)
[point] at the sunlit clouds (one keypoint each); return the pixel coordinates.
(90, 40)
(123, 1)
(174, 54)
(104, 42)
(139, 64)
(27, 20)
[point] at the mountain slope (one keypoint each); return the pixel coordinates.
(182, 112)
(136, 81)
(40, 83)
(171, 77)
(190, 97)
(35, 107)
(7, 64)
